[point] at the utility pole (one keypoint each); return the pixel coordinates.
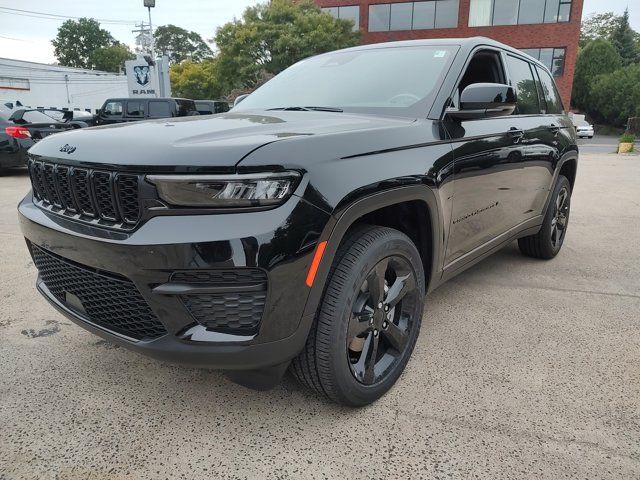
(149, 4)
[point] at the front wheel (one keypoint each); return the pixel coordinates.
(369, 318)
(548, 241)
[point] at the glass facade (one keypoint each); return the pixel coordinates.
(351, 12)
(428, 14)
(518, 12)
(552, 58)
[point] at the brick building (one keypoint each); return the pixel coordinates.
(548, 30)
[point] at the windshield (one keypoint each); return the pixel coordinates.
(389, 80)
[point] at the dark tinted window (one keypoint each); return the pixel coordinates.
(523, 80)
(204, 108)
(551, 95)
(135, 109)
(159, 109)
(185, 107)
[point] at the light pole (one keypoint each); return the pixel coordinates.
(151, 4)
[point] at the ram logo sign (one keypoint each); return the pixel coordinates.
(141, 78)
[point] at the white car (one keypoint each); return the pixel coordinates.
(584, 131)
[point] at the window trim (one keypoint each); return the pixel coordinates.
(533, 76)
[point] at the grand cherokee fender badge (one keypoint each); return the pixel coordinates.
(66, 148)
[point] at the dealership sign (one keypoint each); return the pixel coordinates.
(142, 79)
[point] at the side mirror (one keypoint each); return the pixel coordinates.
(239, 99)
(485, 100)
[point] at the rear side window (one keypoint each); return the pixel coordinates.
(159, 109)
(135, 109)
(204, 108)
(185, 107)
(112, 108)
(551, 95)
(523, 81)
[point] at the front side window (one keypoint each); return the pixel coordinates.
(511, 12)
(523, 81)
(395, 81)
(113, 108)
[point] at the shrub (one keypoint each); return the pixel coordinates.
(627, 138)
(616, 96)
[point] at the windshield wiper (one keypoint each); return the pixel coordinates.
(308, 109)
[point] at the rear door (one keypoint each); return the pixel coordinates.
(135, 110)
(159, 109)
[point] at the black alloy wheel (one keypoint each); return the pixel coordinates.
(378, 332)
(369, 318)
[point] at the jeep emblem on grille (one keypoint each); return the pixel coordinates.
(67, 148)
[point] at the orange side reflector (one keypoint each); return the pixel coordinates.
(317, 257)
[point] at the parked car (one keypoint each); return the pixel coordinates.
(584, 131)
(208, 107)
(303, 229)
(119, 110)
(20, 128)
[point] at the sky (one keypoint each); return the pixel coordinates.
(28, 38)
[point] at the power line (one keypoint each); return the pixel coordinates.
(54, 16)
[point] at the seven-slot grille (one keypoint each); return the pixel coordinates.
(108, 300)
(108, 198)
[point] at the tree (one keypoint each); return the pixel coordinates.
(180, 44)
(272, 36)
(597, 58)
(77, 40)
(112, 58)
(195, 80)
(623, 39)
(616, 96)
(598, 25)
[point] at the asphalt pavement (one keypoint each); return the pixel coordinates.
(523, 369)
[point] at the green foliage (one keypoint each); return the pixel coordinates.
(598, 25)
(597, 58)
(195, 80)
(274, 35)
(112, 58)
(616, 96)
(623, 39)
(627, 138)
(77, 40)
(180, 44)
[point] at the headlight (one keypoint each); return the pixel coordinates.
(220, 191)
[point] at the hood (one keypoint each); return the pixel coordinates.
(219, 141)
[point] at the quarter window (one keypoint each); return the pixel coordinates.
(551, 95)
(351, 12)
(523, 81)
(413, 15)
(512, 12)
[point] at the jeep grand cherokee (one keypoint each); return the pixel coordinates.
(303, 229)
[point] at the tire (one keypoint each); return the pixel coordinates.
(340, 367)
(548, 241)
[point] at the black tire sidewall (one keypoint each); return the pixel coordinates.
(360, 263)
(547, 245)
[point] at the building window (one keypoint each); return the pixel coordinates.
(346, 13)
(12, 83)
(518, 12)
(413, 15)
(552, 58)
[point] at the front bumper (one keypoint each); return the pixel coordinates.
(278, 241)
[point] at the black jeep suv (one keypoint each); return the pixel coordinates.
(303, 229)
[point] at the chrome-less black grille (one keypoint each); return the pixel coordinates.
(94, 196)
(106, 299)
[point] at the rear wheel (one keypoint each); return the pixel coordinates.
(369, 318)
(548, 241)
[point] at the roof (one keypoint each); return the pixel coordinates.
(13, 62)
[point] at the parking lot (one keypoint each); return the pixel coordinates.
(523, 369)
